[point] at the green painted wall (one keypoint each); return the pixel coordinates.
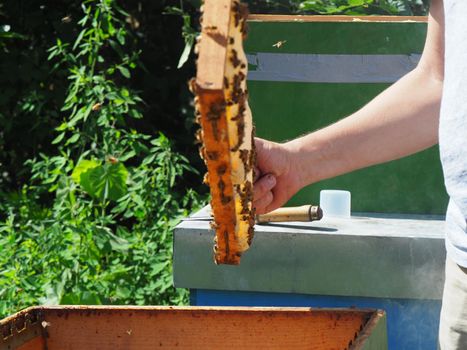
(284, 110)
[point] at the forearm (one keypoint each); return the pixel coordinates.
(400, 121)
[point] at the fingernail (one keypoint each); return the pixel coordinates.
(271, 179)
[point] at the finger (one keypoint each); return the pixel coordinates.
(257, 173)
(271, 206)
(262, 150)
(261, 204)
(263, 186)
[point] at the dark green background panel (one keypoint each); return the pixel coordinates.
(285, 110)
(337, 37)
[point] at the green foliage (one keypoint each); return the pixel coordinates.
(188, 32)
(362, 7)
(339, 7)
(94, 224)
(103, 182)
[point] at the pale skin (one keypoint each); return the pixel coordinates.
(402, 120)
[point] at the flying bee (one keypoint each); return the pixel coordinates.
(66, 19)
(279, 43)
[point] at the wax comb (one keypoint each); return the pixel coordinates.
(226, 133)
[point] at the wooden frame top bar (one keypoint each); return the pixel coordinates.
(324, 18)
(213, 45)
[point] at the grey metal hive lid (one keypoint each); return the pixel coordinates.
(387, 256)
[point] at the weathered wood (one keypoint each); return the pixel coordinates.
(302, 213)
(128, 328)
(23, 331)
(37, 343)
(374, 334)
(212, 46)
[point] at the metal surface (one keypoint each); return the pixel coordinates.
(314, 68)
(385, 257)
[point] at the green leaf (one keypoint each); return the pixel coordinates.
(185, 54)
(78, 40)
(58, 138)
(157, 268)
(80, 298)
(70, 299)
(356, 2)
(124, 71)
(124, 92)
(123, 292)
(81, 114)
(62, 127)
(101, 238)
(107, 241)
(121, 37)
(106, 181)
(118, 243)
(127, 155)
(83, 166)
(89, 298)
(73, 139)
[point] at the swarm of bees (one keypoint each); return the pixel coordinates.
(226, 134)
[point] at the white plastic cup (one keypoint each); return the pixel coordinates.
(335, 203)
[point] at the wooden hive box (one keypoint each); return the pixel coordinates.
(93, 327)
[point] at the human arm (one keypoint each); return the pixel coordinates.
(400, 121)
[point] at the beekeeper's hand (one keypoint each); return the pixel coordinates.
(276, 177)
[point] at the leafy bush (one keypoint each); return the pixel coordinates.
(94, 224)
(338, 7)
(364, 7)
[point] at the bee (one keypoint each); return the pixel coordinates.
(112, 160)
(66, 19)
(96, 107)
(279, 43)
(210, 28)
(133, 22)
(206, 179)
(234, 59)
(45, 324)
(198, 136)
